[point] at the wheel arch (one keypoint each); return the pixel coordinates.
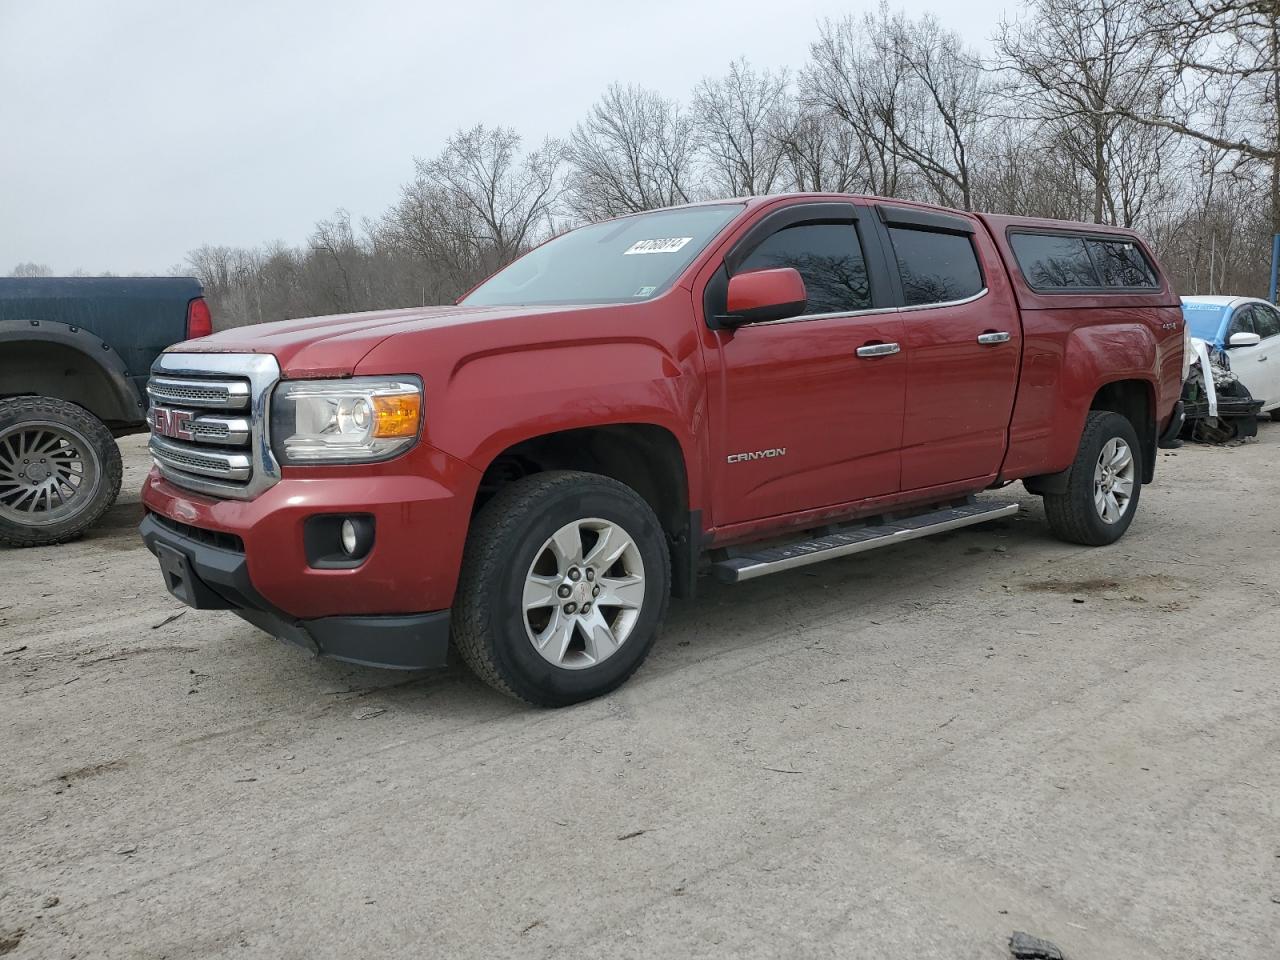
(645, 456)
(54, 359)
(1134, 399)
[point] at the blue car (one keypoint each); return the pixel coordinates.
(1247, 331)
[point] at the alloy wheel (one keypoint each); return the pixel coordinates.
(583, 593)
(1113, 480)
(48, 472)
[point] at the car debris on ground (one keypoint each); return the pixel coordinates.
(1024, 946)
(1219, 408)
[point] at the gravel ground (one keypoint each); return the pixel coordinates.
(910, 753)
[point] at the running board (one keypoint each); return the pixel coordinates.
(768, 560)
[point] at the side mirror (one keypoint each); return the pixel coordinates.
(764, 295)
(1243, 339)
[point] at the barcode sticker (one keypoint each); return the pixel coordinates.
(663, 245)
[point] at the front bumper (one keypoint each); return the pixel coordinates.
(421, 507)
(215, 576)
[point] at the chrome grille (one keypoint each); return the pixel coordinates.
(228, 466)
(233, 395)
(211, 435)
(230, 432)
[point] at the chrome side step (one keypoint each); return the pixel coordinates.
(859, 539)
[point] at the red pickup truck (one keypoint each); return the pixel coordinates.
(746, 386)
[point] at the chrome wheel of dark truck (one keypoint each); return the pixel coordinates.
(59, 471)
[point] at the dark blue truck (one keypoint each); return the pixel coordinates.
(75, 353)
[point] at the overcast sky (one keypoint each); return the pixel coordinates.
(132, 132)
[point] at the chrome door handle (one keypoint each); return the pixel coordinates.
(986, 339)
(879, 350)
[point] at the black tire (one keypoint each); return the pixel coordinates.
(31, 519)
(1073, 516)
(1275, 415)
(489, 624)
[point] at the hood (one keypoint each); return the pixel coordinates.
(334, 346)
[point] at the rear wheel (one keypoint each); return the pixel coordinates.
(1103, 484)
(565, 583)
(1275, 414)
(59, 471)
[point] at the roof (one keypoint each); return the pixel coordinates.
(996, 221)
(1221, 301)
(999, 222)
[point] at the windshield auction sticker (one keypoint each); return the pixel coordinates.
(665, 245)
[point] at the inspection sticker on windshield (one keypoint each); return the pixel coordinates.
(665, 245)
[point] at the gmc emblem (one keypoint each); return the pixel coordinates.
(168, 422)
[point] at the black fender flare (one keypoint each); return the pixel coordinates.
(123, 403)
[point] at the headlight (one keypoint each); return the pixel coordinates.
(344, 421)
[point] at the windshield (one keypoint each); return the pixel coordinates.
(1204, 319)
(619, 261)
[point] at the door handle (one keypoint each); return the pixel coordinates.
(879, 350)
(1261, 358)
(986, 339)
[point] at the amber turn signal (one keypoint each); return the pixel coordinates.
(397, 416)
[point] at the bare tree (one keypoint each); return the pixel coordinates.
(634, 151)
(952, 93)
(1070, 63)
(31, 270)
(913, 95)
(1142, 170)
(504, 198)
(1019, 172)
(848, 79)
(340, 257)
(478, 205)
(738, 120)
(819, 152)
(1221, 59)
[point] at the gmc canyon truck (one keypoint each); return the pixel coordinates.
(75, 353)
(748, 386)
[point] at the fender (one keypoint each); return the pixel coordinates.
(626, 365)
(1063, 370)
(114, 400)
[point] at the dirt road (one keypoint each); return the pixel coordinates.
(910, 753)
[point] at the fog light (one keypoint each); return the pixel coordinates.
(336, 542)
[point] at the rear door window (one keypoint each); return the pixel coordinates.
(1054, 261)
(827, 256)
(935, 267)
(1122, 264)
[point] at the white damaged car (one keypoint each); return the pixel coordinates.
(1241, 334)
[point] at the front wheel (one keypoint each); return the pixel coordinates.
(1103, 484)
(59, 471)
(565, 583)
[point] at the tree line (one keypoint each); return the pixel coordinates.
(1161, 115)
